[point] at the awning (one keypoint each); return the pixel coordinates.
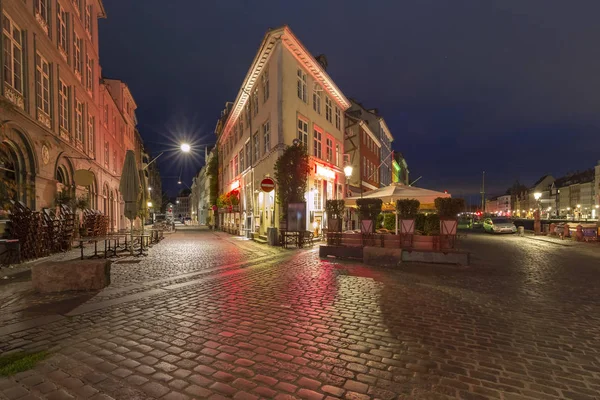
(399, 191)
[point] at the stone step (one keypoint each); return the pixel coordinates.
(260, 238)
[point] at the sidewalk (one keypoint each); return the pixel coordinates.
(569, 242)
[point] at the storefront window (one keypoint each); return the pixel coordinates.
(318, 194)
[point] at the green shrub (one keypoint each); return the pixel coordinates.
(432, 225)
(449, 207)
(389, 222)
(407, 208)
(335, 208)
(369, 208)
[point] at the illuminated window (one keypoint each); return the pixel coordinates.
(106, 154)
(78, 121)
(248, 153)
(317, 144)
(77, 60)
(303, 132)
(267, 137)
(88, 20)
(265, 85)
(241, 158)
(91, 134)
(63, 105)
(318, 194)
(338, 118)
(302, 86)
(13, 54)
(89, 81)
(256, 147)
(328, 109)
(62, 28)
(317, 99)
(236, 166)
(41, 13)
(329, 150)
(42, 84)
(255, 103)
(337, 154)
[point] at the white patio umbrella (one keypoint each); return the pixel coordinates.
(398, 191)
(130, 189)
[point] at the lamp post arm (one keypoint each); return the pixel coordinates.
(154, 159)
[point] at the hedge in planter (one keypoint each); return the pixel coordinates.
(369, 210)
(448, 210)
(335, 213)
(408, 210)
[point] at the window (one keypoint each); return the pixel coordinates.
(13, 54)
(317, 99)
(337, 154)
(89, 82)
(63, 105)
(78, 121)
(77, 60)
(302, 86)
(329, 150)
(77, 4)
(42, 85)
(106, 115)
(91, 134)
(248, 154)
(114, 131)
(231, 171)
(114, 167)
(338, 117)
(241, 156)
(247, 114)
(317, 145)
(62, 29)
(236, 166)
(318, 193)
(265, 85)
(328, 109)
(303, 132)
(88, 20)
(241, 127)
(106, 154)
(255, 103)
(256, 147)
(267, 137)
(365, 164)
(41, 13)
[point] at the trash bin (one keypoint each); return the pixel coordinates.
(272, 239)
(521, 230)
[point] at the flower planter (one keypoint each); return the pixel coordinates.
(424, 242)
(407, 226)
(366, 226)
(334, 225)
(448, 226)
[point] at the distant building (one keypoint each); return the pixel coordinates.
(399, 169)
(182, 207)
(499, 205)
(363, 152)
(574, 195)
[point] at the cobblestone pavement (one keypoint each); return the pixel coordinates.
(249, 322)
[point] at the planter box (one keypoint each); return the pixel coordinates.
(382, 257)
(407, 226)
(448, 226)
(334, 225)
(366, 226)
(424, 242)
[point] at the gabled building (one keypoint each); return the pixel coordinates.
(399, 169)
(286, 95)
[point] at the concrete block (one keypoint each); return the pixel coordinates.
(382, 257)
(437, 257)
(340, 252)
(64, 276)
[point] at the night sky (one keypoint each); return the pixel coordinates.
(511, 87)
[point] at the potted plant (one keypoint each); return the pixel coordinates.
(407, 210)
(368, 211)
(335, 213)
(448, 210)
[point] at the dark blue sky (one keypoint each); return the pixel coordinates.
(511, 87)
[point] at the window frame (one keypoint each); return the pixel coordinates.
(265, 85)
(317, 95)
(91, 133)
(256, 143)
(302, 135)
(64, 97)
(317, 142)
(338, 118)
(328, 109)
(15, 63)
(329, 149)
(78, 121)
(302, 82)
(77, 56)
(62, 29)
(266, 128)
(42, 85)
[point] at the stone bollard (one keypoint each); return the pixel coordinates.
(553, 229)
(579, 233)
(566, 231)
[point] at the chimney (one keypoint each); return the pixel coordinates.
(321, 59)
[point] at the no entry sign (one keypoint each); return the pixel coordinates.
(267, 185)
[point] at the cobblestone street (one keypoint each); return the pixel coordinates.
(209, 315)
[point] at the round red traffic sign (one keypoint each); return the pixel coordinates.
(267, 185)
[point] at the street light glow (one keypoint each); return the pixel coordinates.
(149, 204)
(537, 195)
(348, 171)
(185, 147)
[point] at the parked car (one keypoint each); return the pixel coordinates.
(499, 225)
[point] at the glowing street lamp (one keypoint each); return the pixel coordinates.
(149, 204)
(537, 195)
(185, 147)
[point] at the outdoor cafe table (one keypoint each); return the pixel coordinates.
(144, 241)
(156, 235)
(88, 239)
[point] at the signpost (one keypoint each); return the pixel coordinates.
(267, 185)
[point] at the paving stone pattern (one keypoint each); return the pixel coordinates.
(521, 323)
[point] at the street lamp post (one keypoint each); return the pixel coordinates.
(537, 226)
(348, 174)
